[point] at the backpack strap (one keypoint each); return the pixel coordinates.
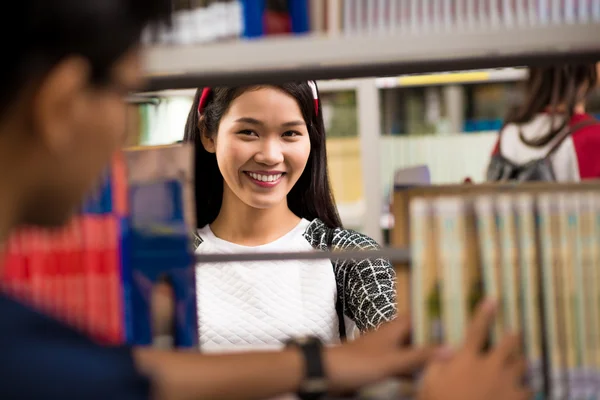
(568, 132)
(339, 305)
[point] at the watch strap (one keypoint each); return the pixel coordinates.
(314, 386)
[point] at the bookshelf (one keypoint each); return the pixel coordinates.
(367, 62)
(533, 246)
(278, 59)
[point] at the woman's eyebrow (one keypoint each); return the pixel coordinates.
(255, 121)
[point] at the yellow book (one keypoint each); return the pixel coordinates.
(424, 274)
(450, 226)
(587, 249)
(594, 199)
(567, 304)
(548, 227)
(509, 263)
(489, 254)
(529, 289)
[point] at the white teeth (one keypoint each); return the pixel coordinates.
(265, 178)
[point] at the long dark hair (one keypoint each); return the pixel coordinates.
(547, 88)
(311, 196)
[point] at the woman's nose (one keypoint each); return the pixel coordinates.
(270, 152)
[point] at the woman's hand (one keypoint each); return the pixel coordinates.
(374, 357)
(469, 374)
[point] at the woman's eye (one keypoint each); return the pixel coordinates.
(247, 132)
(291, 134)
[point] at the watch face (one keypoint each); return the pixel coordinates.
(315, 385)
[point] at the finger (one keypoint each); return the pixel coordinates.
(396, 331)
(444, 353)
(508, 348)
(479, 327)
(412, 360)
(519, 369)
(521, 394)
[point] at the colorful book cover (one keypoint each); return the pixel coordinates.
(567, 293)
(547, 222)
(159, 238)
(419, 226)
(425, 279)
(489, 255)
(450, 225)
(473, 277)
(588, 250)
(509, 262)
(594, 200)
(529, 289)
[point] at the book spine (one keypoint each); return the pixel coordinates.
(490, 260)
(530, 294)
(509, 262)
(546, 217)
(420, 269)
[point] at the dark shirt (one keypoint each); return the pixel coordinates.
(41, 358)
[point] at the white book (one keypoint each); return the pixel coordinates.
(570, 11)
(383, 8)
(583, 12)
(393, 18)
(543, 15)
(493, 13)
(415, 23)
(596, 10)
(370, 18)
(556, 11)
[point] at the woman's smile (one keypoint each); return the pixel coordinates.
(265, 179)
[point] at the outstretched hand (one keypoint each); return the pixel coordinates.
(378, 355)
(469, 374)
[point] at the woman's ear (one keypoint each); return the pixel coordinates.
(208, 141)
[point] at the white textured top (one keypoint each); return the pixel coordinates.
(259, 305)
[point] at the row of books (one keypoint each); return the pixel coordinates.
(204, 21)
(534, 249)
(425, 16)
(98, 272)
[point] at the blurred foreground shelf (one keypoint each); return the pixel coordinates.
(272, 60)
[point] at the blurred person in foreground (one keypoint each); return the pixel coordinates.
(62, 116)
(550, 137)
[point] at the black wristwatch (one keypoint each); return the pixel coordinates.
(314, 385)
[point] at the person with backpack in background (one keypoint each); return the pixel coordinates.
(550, 137)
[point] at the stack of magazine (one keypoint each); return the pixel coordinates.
(535, 248)
(97, 273)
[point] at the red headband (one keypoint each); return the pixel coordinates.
(206, 92)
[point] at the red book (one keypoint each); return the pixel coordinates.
(9, 260)
(92, 236)
(76, 282)
(65, 275)
(112, 273)
(37, 263)
(48, 251)
(58, 269)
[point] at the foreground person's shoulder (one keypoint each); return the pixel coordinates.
(45, 359)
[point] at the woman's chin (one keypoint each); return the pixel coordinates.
(264, 202)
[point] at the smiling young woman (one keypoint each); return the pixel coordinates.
(262, 186)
